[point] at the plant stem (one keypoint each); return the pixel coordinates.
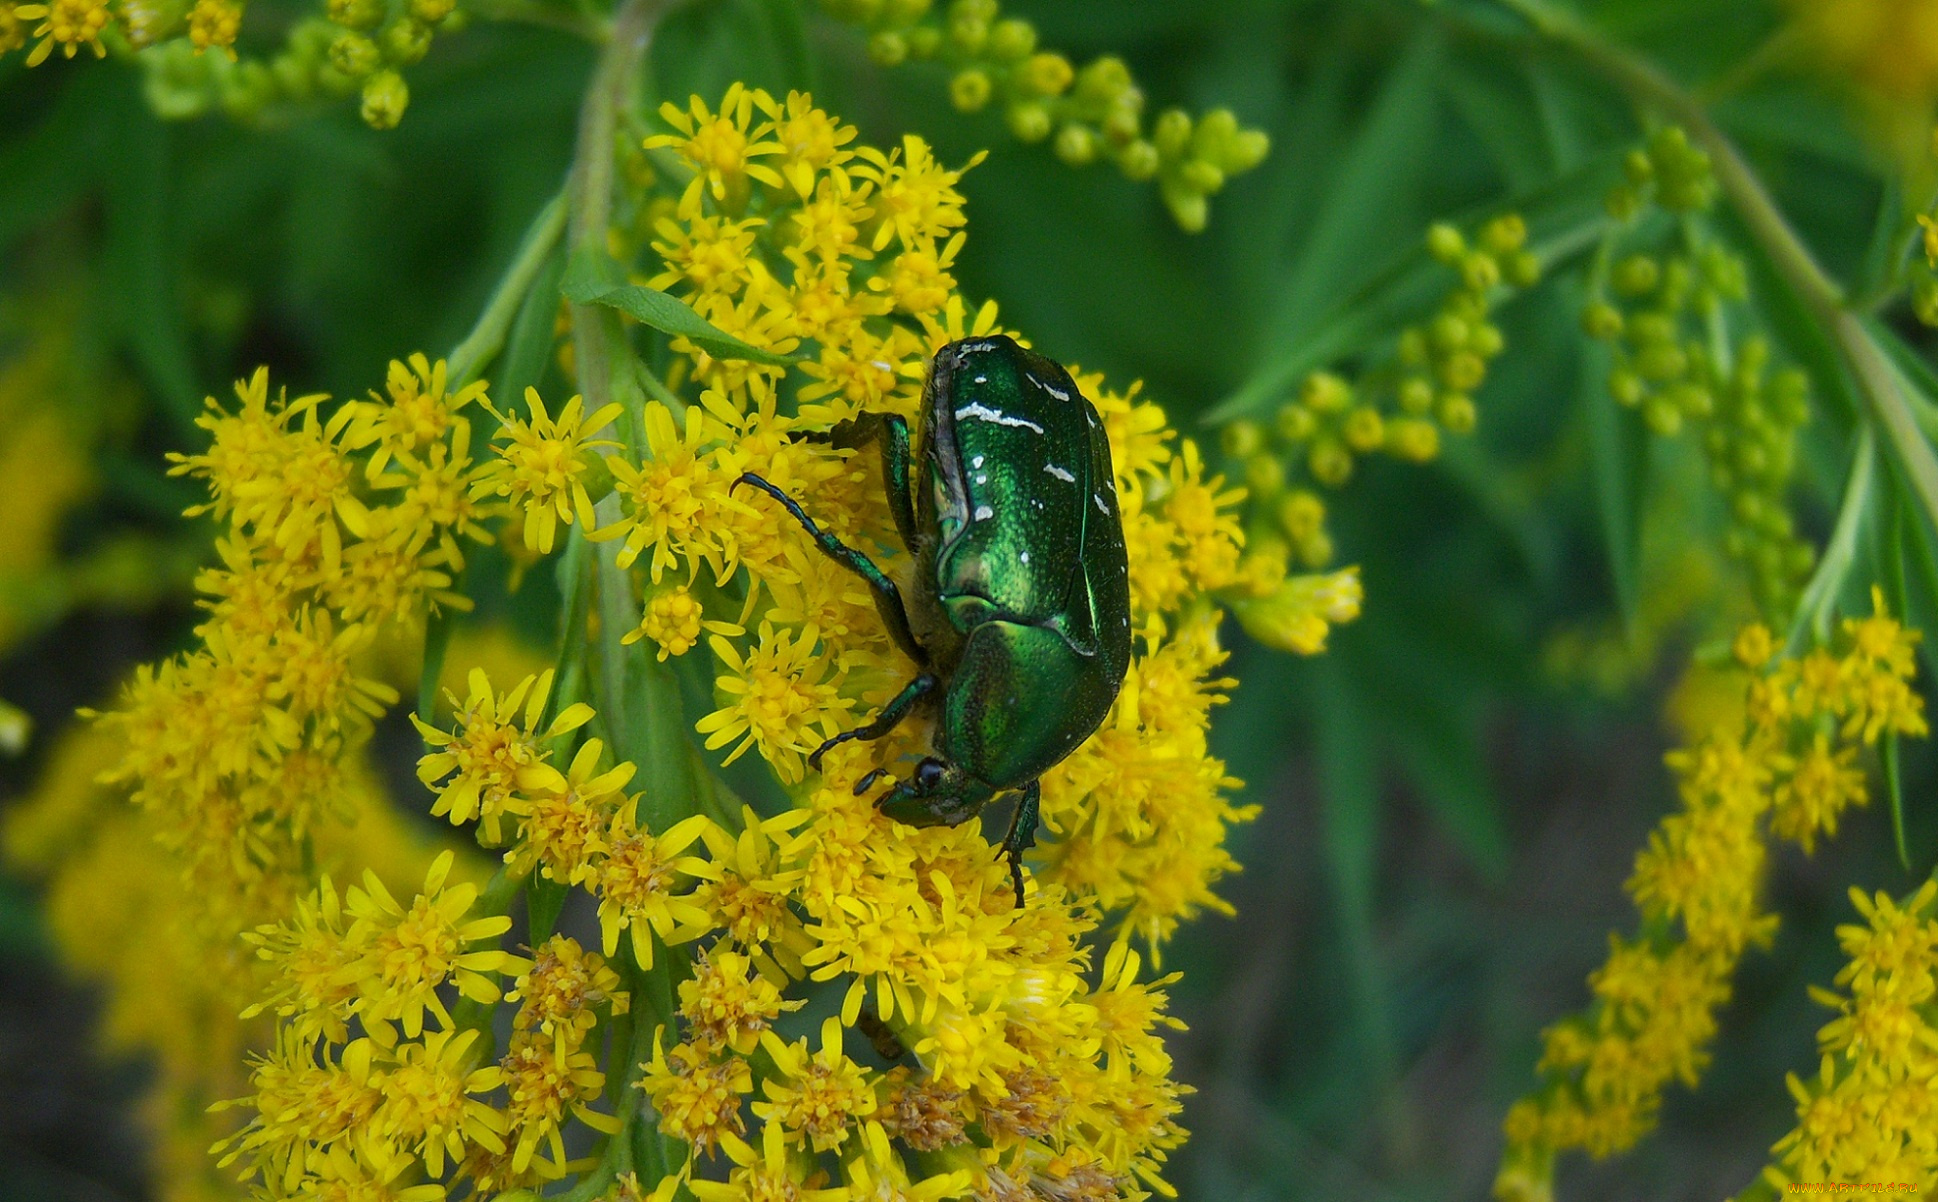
(1884, 399)
(640, 701)
(487, 336)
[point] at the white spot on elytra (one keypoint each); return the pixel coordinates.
(982, 412)
(1052, 389)
(1059, 473)
(984, 511)
(981, 479)
(982, 379)
(1024, 556)
(976, 462)
(1101, 507)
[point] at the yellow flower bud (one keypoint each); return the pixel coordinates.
(969, 90)
(385, 96)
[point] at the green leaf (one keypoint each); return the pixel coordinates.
(1891, 536)
(1618, 460)
(587, 282)
(544, 898)
(528, 351)
(1349, 792)
(438, 626)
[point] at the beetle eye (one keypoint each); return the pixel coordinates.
(928, 773)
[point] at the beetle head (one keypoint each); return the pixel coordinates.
(939, 793)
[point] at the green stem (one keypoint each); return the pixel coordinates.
(639, 698)
(487, 337)
(1879, 385)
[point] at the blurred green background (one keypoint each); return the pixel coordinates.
(1448, 806)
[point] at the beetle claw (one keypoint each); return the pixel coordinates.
(873, 778)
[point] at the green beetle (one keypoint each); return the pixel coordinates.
(1019, 616)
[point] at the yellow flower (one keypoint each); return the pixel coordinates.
(816, 1098)
(697, 1096)
(810, 141)
(541, 465)
(559, 993)
(567, 815)
(781, 698)
(1299, 614)
(70, 24)
(430, 1108)
(680, 498)
(494, 757)
(726, 1004)
(673, 620)
(636, 879)
(721, 147)
(214, 23)
(406, 954)
(542, 1088)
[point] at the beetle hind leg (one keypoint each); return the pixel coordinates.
(888, 598)
(1021, 835)
(898, 708)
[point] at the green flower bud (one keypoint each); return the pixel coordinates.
(1416, 395)
(1447, 333)
(968, 34)
(1264, 475)
(1172, 133)
(1601, 320)
(405, 42)
(1076, 144)
(1479, 271)
(1662, 417)
(1242, 439)
(1622, 203)
(1188, 205)
(1011, 41)
(1029, 122)
(356, 56)
(1294, 422)
(1122, 124)
(1323, 392)
(1413, 440)
(1215, 131)
(1445, 243)
(1660, 362)
(1246, 150)
(1626, 387)
(888, 48)
(1201, 177)
(1045, 75)
(1364, 429)
(356, 14)
(969, 90)
(1139, 160)
(1330, 463)
(1638, 169)
(1504, 235)
(1635, 276)
(1412, 350)
(1457, 413)
(431, 12)
(1301, 514)
(385, 97)
(1103, 81)
(1463, 371)
(1316, 552)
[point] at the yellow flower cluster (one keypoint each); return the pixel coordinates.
(1869, 1115)
(1096, 112)
(1787, 765)
(966, 1045)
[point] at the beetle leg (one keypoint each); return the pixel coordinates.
(891, 430)
(891, 716)
(869, 781)
(888, 598)
(1021, 835)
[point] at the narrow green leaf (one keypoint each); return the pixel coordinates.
(1891, 536)
(1886, 249)
(528, 351)
(141, 261)
(1350, 797)
(544, 898)
(438, 626)
(587, 283)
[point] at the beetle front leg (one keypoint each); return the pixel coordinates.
(891, 716)
(888, 598)
(1021, 835)
(891, 430)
